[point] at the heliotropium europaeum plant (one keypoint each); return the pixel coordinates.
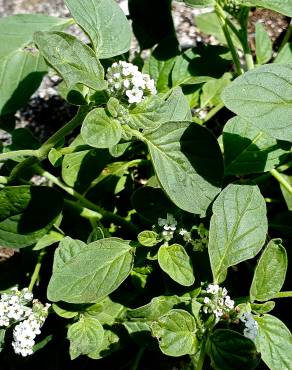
(161, 223)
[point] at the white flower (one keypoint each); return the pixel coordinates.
(229, 302)
(207, 300)
(135, 95)
(212, 288)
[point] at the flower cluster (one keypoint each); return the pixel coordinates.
(13, 306)
(25, 332)
(15, 310)
(125, 81)
(168, 226)
(232, 6)
(217, 301)
(251, 326)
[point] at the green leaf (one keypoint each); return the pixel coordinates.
(62, 312)
(100, 130)
(87, 273)
(238, 227)
(27, 213)
(263, 97)
(85, 336)
(72, 59)
(199, 3)
(175, 262)
(230, 350)
(2, 338)
(188, 164)
(264, 46)
(157, 307)
(280, 6)
(110, 344)
(47, 240)
(156, 110)
(286, 194)
(148, 238)
(270, 272)
(285, 55)
(247, 149)
(105, 24)
(261, 308)
(176, 332)
(105, 311)
(274, 341)
(212, 90)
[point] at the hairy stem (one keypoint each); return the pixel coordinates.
(201, 361)
(36, 272)
(283, 295)
(281, 180)
(18, 154)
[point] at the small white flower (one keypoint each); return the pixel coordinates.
(229, 302)
(212, 289)
(183, 232)
(135, 95)
(207, 300)
(127, 84)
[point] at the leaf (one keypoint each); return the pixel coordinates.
(110, 344)
(72, 59)
(212, 90)
(2, 338)
(91, 272)
(187, 162)
(175, 262)
(148, 238)
(284, 56)
(105, 24)
(238, 227)
(100, 130)
(176, 332)
(21, 68)
(263, 97)
(27, 213)
(280, 6)
(85, 336)
(62, 312)
(247, 149)
(261, 308)
(264, 47)
(156, 110)
(151, 27)
(286, 194)
(230, 350)
(48, 239)
(105, 311)
(199, 3)
(157, 307)
(270, 272)
(274, 341)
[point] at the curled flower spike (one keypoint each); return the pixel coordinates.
(251, 326)
(217, 301)
(125, 81)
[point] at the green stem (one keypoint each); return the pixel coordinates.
(286, 37)
(283, 295)
(281, 180)
(82, 211)
(99, 212)
(201, 361)
(36, 272)
(43, 151)
(18, 154)
(213, 111)
(223, 22)
(138, 358)
(244, 40)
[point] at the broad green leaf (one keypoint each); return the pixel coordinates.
(148, 238)
(261, 308)
(85, 336)
(188, 164)
(264, 47)
(72, 59)
(91, 272)
(49, 239)
(110, 343)
(230, 350)
(212, 90)
(248, 149)
(238, 227)
(27, 213)
(100, 130)
(158, 307)
(62, 312)
(286, 194)
(17, 31)
(274, 341)
(105, 24)
(154, 111)
(285, 55)
(263, 97)
(105, 311)
(270, 272)
(176, 332)
(280, 6)
(175, 262)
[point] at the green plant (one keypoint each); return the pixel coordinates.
(155, 214)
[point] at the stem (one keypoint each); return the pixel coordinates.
(99, 212)
(138, 358)
(36, 272)
(286, 37)
(43, 151)
(244, 40)
(213, 111)
(223, 22)
(18, 153)
(283, 295)
(201, 361)
(281, 180)
(82, 211)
